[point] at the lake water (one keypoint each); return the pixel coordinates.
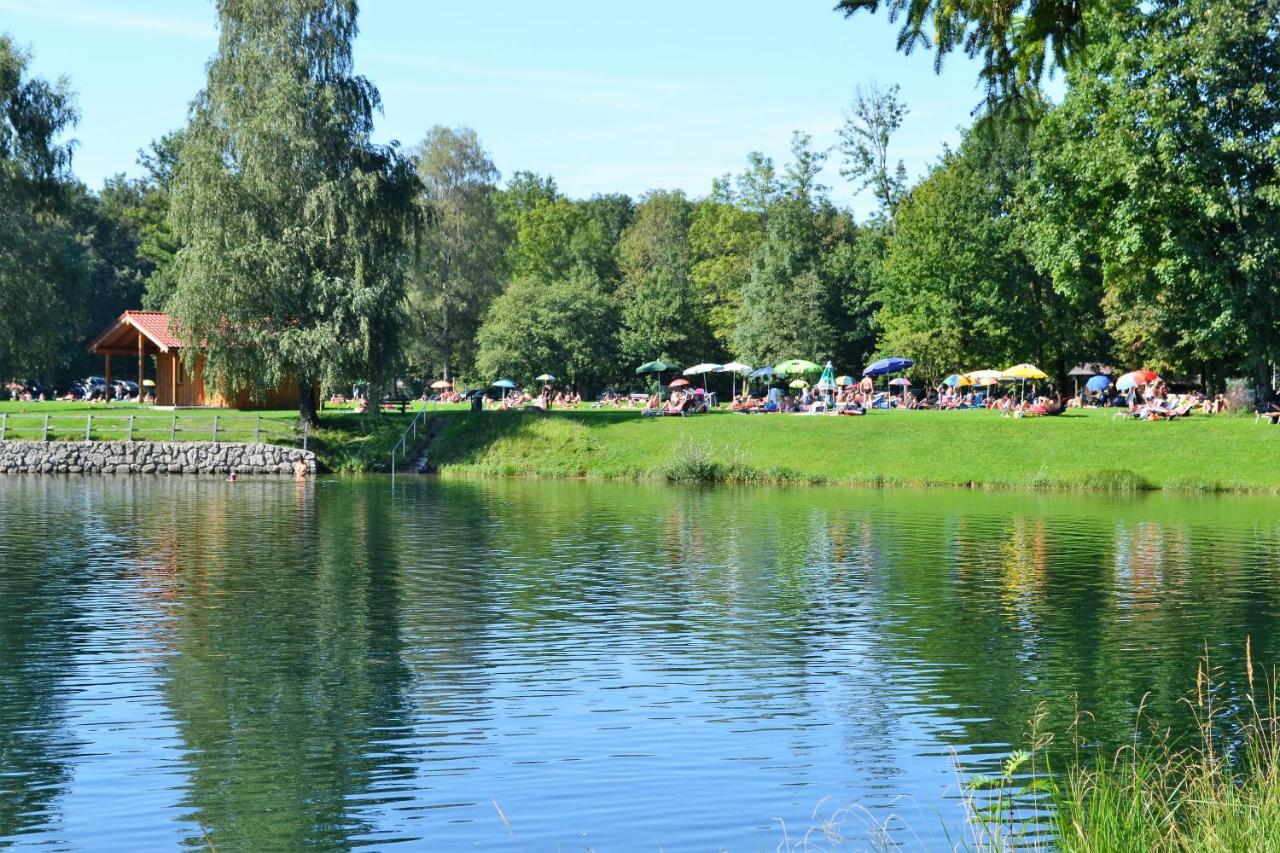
(540, 665)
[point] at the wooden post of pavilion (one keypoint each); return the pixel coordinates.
(173, 381)
(106, 391)
(140, 357)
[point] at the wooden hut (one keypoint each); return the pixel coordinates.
(138, 334)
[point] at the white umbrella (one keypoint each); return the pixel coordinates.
(736, 367)
(700, 369)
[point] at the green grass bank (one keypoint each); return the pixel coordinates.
(1088, 450)
(345, 442)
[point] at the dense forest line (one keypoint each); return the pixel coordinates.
(1136, 220)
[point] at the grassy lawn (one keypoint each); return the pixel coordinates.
(345, 441)
(1084, 449)
(1080, 449)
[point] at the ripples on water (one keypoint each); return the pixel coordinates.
(525, 665)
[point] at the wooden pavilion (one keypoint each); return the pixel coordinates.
(139, 334)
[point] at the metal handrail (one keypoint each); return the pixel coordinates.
(401, 445)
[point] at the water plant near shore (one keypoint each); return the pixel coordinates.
(1216, 790)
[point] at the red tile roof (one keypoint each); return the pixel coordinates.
(156, 326)
(122, 336)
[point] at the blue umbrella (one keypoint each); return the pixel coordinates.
(504, 384)
(893, 364)
(764, 373)
(1098, 383)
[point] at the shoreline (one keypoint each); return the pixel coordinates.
(1084, 452)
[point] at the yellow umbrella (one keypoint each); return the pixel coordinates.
(1024, 371)
(799, 383)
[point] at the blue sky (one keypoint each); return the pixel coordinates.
(603, 96)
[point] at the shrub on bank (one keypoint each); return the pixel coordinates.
(693, 461)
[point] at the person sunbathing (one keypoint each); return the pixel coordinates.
(675, 405)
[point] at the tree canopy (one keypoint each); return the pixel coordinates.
(460, 247)
(1134, 221)
(292, 222)
(44, 267)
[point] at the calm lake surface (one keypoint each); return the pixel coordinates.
(537, 665)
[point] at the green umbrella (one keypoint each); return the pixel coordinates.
(827, 382)
(657, 366)
(796, 365)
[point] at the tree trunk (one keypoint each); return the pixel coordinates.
(307, 403)
(1262, 385)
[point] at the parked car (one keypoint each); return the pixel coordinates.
(93, 388)
(35, 388)
(124, 388)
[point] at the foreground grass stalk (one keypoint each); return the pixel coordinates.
(1219, 791)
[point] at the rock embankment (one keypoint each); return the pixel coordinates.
(149, 457)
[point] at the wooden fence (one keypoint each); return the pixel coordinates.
(26, 426)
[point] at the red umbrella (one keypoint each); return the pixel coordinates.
(1135, 378)
(678, 383)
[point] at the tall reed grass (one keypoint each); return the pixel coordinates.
(1217, 790)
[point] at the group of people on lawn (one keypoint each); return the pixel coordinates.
(545, 399)
(1152, 401)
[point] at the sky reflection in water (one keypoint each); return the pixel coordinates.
(517, 665)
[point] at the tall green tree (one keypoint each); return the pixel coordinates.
(292, 222)
(958, 288)
(44, 267)
(614, 212)
(117, 271)
(157, 244)
(757, 189)
(553, 238)
(722, 240)
(565, 326)
(791, 303)
(458, 267)
(789, 309)
(1158, 180)
(660, 313)
(872, 119)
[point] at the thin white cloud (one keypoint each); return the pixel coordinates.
(516, 92)
(97, 19)
(529, 76)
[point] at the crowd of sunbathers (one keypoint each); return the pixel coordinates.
(692, 402)
(618, 400)
(1151, 402)
(545, 399)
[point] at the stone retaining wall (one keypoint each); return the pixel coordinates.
(148, 457)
